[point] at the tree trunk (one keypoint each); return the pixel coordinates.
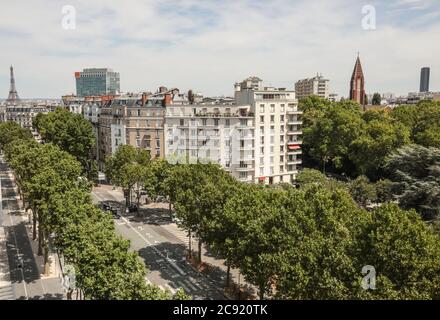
(261, 293)
(46, 255)
(228, 274)
(171, 213)
(34, 227)
(40, 239)
(69, 294)
(200, 251)
(189, 246)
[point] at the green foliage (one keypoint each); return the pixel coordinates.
(362, 191)
(50, 179)
(129, 168)
(11, 131)
(376, 99)
(423, 121)
(415, 171)
(307, 176)
(72, 133)
(405, 252)
(381, 136)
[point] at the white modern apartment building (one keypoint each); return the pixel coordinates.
(277, 130)
(219, 133)
(318, 86)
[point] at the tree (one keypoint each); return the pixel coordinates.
(329, 138)
(307, 176)
(376, 99)
(382, 136)
(404, 251)
(11, 131)
(362, 191)
(423, 121)
(128, 168)
(415, 172)
(72, 133)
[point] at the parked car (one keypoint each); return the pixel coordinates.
(132, 207)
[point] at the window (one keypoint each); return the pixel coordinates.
(204, 122)
(282, 129)
(193, 132)
(272, 139)
(216, 122)
(281, 148)
(261, 108)
(282, 107)
(261, 119)
(243, 122)
(261, 171)
(271, 149)
(243, 175)
(262, 161)
(182, 122)
(282, 118)
(158, 153)
(281, 158)
(138, 112)
(262, 130)
(227, 164)
(281, 138)
(157, 143)
(262, 140)
(227, 123)
(138, 143)
(271, 170)
(262, 150)
(272, 108)
(137, 133)
(271, 160)
(272, 119)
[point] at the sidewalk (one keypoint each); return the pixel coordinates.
(52, 282)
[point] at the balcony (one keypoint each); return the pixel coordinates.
(293, 161)
(294, 122)
(294, 152)
(294, 143)
(297, 112)
(245, 167)
(294, 133)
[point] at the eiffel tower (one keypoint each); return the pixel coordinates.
(13, 95)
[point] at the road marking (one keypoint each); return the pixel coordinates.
(15, 240)
(195, 282)
(154, 248)
(190, 285)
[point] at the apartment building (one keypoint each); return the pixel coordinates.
(219, 133)
(135, 119)
(22, 113)
(277, 130)
(318, 86)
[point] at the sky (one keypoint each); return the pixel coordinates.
(208, 45)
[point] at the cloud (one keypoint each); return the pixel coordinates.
(208, 45)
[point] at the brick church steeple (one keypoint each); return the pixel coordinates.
(357, 84)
